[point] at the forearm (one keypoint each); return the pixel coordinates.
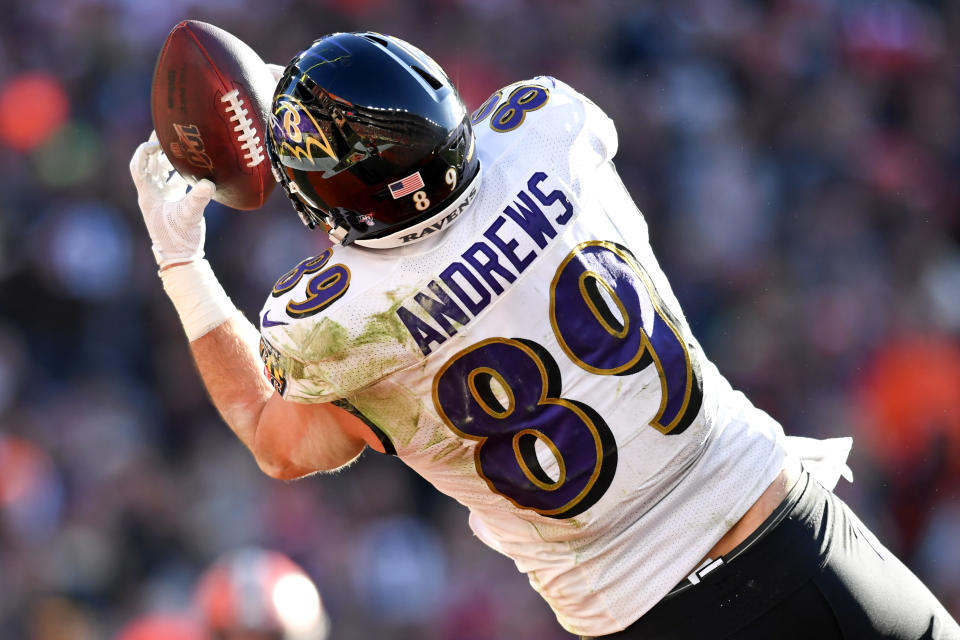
(224, 346)
(228, 360)
(287, 439)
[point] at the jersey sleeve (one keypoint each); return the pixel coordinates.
(597, 141)
(328, 329)
(545, 113)
(292, 378)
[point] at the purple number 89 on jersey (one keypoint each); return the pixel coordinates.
(321, 291)
(509, 115)
(504, 393)
(609, 320)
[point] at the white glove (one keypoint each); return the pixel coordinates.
(276, 70)
(174, 216)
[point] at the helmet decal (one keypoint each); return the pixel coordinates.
(437, 222)
(296, 133)
(406, 186)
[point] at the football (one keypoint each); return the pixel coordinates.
(210, 100)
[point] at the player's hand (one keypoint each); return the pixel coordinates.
(173, 215)
(276, 70)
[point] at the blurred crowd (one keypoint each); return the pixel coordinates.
(796, 160)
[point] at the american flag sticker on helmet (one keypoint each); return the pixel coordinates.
(406, 186)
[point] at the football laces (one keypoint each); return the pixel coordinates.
(246, 134)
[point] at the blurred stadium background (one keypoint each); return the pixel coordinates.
(797, 161)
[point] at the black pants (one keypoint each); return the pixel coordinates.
(817, 575)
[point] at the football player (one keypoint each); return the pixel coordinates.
(491, 313)
(259, 594)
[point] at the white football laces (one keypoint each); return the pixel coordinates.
(246, 134)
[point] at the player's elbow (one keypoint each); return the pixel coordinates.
(292, 440)
(278, 471)
(277, 464)
(280, 467)
(275, 447)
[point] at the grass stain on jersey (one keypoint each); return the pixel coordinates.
(326, 340)
(348, 362)
(436, 438)
(394, 409)
(384, 327)
(450, 449)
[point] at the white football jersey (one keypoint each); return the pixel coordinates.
(532, 362)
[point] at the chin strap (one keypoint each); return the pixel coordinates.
(338, 234)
